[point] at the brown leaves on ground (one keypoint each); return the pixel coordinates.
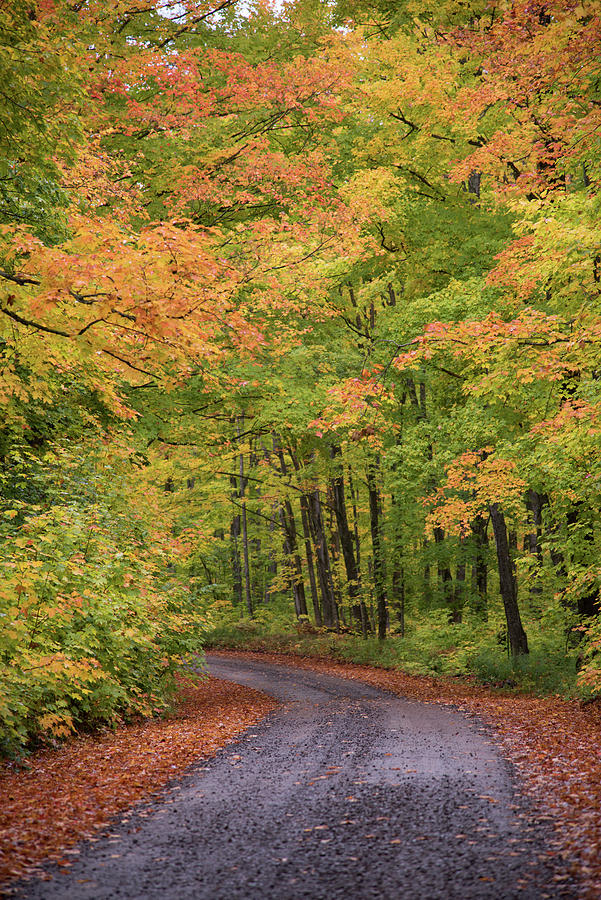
(554, 744)
(69, 793)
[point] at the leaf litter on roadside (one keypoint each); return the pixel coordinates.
(92, 779)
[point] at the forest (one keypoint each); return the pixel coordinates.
(300, 342)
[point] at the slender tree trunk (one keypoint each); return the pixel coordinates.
(518, 643)
(398, 590)
(459, 593)
(480, 567)
(299, 584)
(376, 541)
(334, 549)
(535, 503)
(272, 566)
(346, 540)
(310, 563)
(365, 623)
(247, 591)
(355, 523)
(294, 567)
(445, 578)
(427, 580)
(328, 604)
(235, 529)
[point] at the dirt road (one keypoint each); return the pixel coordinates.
(343, 792)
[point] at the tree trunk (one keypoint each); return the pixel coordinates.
(247, 592)
(398, 591)
(376, 541)
(480, 567)
(295, 566)
(366, 627)
(272, 566)
(458, 593)
(445, 578)
(518, 643)
(235, 529)
(328, 604)
(346, 541)
(535, 503)
(310, 564)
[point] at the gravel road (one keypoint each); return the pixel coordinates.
(343, 792)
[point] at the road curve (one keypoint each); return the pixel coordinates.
(343, 792)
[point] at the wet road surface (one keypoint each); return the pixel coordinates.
(343, 792)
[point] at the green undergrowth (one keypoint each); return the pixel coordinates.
(431, 647)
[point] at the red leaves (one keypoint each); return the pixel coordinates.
(91, 779)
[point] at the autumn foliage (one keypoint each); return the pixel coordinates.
(299, 321)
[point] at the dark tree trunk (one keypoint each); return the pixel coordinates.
(445, 578)
(245, 557)
(376, 541)
(365, 623)
(294, 562)
(459, 593)
(310, 564)
(535, 503)
(480, 566)
(235, 529)
(328, 604)
(355, 524)
(398, 592)
(272, 566)
(346, 541)
(518, 643)
(427, 581)
(334, 548)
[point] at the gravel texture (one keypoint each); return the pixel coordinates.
(345, 791)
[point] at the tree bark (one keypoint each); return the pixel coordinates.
(535, 503)
(480, 567)
(346, 541)
(445, 578)
(310, 563)
(247, 591)
(295, 566)
(376, 542)
(518, 642)
(328, 603)
(398, 591)
(235, 529)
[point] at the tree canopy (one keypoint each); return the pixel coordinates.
(300, 324)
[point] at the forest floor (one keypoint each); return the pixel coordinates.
(57, 797)
(554, 744)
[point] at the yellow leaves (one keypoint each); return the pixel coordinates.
(473, 481)
(59, 725)
(372, 194)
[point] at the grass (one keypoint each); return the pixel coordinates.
(472, 649)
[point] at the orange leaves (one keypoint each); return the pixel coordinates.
(355, 403)
(473, 481)
(538, 73)
(491, 344)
